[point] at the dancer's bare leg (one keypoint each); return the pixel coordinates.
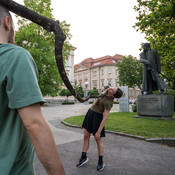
(84, 158)
(86, 141)
(100, 146)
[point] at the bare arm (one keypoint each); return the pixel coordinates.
(102, 124)
(42, 138)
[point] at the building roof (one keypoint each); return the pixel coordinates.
(105, 60)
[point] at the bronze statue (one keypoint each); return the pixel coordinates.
(152, 67)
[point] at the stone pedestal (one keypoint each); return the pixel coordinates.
(124, 100)
(155, 106)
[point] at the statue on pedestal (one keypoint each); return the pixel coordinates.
(152, 67)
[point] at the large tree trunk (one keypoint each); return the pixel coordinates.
(51, 26)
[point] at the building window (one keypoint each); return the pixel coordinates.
(116, 83)
(67, 63)
(94, 73)
(80, 83)
(109, 72)
(116, 72)
(85, 75)
(109, 82)
(67, 74)
(102, 72)
(102, 83)
(94, 84)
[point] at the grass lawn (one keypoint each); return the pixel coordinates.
(124, 122)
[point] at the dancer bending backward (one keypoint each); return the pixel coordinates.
(94, 122)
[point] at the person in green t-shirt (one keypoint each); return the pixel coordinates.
(94, 122)
(22, 125)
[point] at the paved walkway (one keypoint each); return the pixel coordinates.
(123, 156)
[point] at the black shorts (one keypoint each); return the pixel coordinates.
(92, 122)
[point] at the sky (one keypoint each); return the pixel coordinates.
(99, 27)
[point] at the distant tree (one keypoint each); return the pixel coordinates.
(79, 90)
(93, 92)
(156, 19)
(65, 92)
(41, 46)
(130, 72)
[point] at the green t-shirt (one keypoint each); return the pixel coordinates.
(18, 88)
(103, 103)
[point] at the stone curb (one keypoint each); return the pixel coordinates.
(68, 124)
(126, 135)
(165, 141)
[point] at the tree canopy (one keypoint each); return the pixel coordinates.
(79, 90)
(93, 92)
(65, 92)
(41, 46)
(130, 72)
(156, 18)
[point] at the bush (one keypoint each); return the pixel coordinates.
(79, 91)
(93, 92)
(134, 107)
(67, 103)
(116, 102)
(65, 92)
